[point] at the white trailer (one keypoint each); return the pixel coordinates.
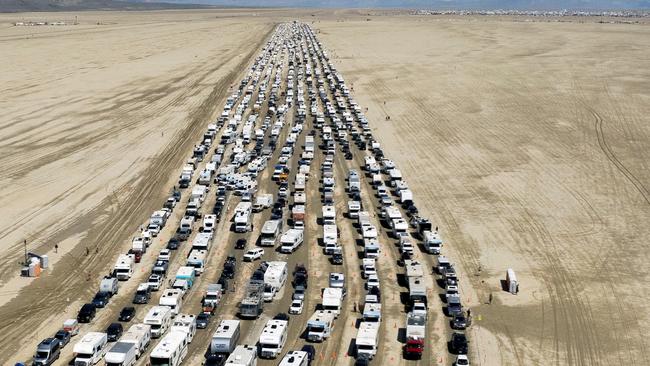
(172, 298)
(123, 267)
(320, 325)
(121, 354)
(225, 338)
(185, 323)
(140, 336)
(291, 240)
(332, 300)
(270, 232)
(330, 234)
(243, 355)
(329, 215)
(367, 337)
(159, 318)
(90, 349)
(197, 260)
(273, 338)
(171, 350)
(276, 274)
(262, 202)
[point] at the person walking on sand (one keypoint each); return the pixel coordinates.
(87, 251)
(490, 299)
(56, 248)
(355, 306)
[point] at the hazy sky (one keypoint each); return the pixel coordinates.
(475, 4)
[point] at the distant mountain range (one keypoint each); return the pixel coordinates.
(12, 6)
(67, 5)
(437, 4)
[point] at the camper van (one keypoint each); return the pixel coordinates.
(172, 298)
(366, 340)
(242, 217)
(274, 278)
(332, 300)
(159, 318)
(90, 349)
(123, 267)
(225, 338)
(121, 354)
(273, 337)
(140, 336)
(291, 240)
(243, 355)
(320, 325)
(295, 358)
(185, 323)
(171, 350)
(270, 232)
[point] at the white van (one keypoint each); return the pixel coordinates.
(90, 349)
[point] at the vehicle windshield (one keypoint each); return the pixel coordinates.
(268, 345)
(42, 354)
(364, 347)
(158, 361)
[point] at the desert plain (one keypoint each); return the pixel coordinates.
(526, 142)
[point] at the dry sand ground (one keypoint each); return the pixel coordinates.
(529, 145)
(526, 143)
(96, 122)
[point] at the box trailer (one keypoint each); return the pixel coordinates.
(226, 337)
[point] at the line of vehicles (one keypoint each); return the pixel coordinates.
(237, 173)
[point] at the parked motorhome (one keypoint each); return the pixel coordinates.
(291, 240)
(332, 300)
(273, 337)
(320, 325)
(139, 335)
(121, 354)
(226, 337)
(90, 349)
(243, 355)
(367, 338)
(159, 318)
(270, 232)
(123, 268)
(171, 350)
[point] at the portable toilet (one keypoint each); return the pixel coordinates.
(44, 261)
(511, 281)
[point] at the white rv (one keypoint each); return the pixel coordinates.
(90, 349)
(273, 337)
(332, 300)
(366, 340)
(185, 323)
(243, 217)
(291, 240)
(172, 298)
(295, 358)
(140, 336)
(274, 279)
(243, 355)
(226, 336)
(202, 241)
(171, 350)
(270, 232)
(159, 318)
(197, 259)
(320, 325)
(121, 354)
(124, 267)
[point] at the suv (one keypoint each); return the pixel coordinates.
(114, 332)
(101, 299)
(86, 313)
(459, 344)
(142, 294)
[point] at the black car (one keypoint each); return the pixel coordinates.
(458, 344)
(311, 352)
(215, 359)
(281, 316)
(86, 313)
(127, 313)
(459, 322)
(177, 194)
(348, 156)
(362, 360)
(114, 332)
(173, 244)
(63, 336)
(101, 299)
(202, 320)
(276, 214)
(223, 281)
(337, 258)
(229, 267)
(240, 243)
